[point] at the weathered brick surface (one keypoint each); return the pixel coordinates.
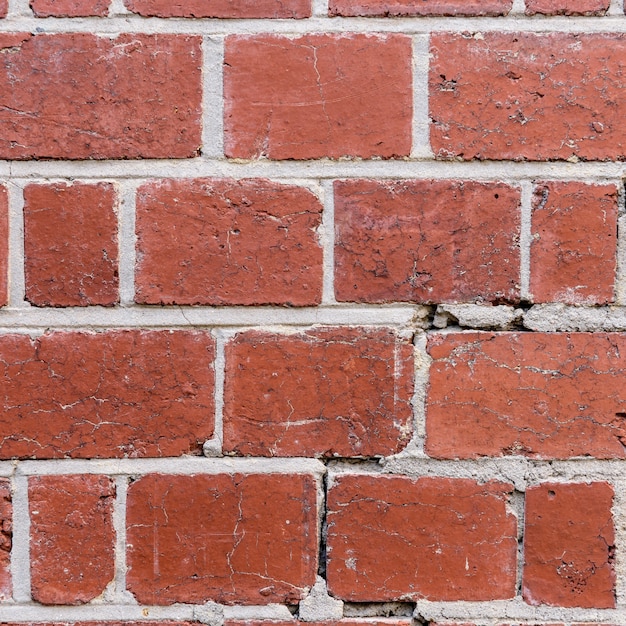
(4, 5)
(71, 537)
(228, 242)
(574, 243)
(132, 96)
(6, 539)
(234, 539)
(70, 8)
(222, 8)
(569, 545)
(112, 394)
(427, 7)
(76, 265)
(527, 96)
(4, 245)
(442, 539)
(389, 241)
(567, 7)
(332, 392)
(317, 96)
(540, 395)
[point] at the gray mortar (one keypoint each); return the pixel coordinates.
(421, 120)
(319, 606)
(16, 244)
(214, 447)
(213, 97)
(326, 234)
(475, 316)
(127, 241)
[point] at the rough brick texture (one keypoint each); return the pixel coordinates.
(389, 241)
(228, 242)
(6, 539)
(569, 545)
(70, 241)
(72, 537)
(540, 395)
(423, 7)
(317, 96)
(4, 245)
(221, 8)
(4, 5)
(70, 8)
(129, 97)
(528, 96)
(574, 243)
(112, 394)
(567, 7)
(442, 539)
(333, 392)
(199, 538)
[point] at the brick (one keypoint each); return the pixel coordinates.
(442, 539)
(71, 537)
(234, 539)
(569, 545)
(528, 96)
(233, 242)
(114, 394)
(321, 95)
(4, 7)
(390, 238)
(567, 7)
(128, 97)
(574, 245)
(70, 8)
(386, 8)
(222, 8)
(75, 266)
(4, 246)
(330, 392)
(541, 395)
(6, 539)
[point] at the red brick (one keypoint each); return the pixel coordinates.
(116, 394)
(6, 539)
(426, 241)
(228, 242)
(331, 392)
(234, 539)
(540, 395)
(70, 8)
(75, 265)
(4, 245)
(222, 8)
(393, 538)
(568, 545)
(88, 97)
(4, 7)
(574, 246)
(567, 7)
(315, 96)
(71, 537)
(528, 96)
(411, 7)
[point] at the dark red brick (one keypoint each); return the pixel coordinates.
(422, 7)
(70, 242)
(72, 537)
(222, 8)
(4, 246)
(331, 392)
(221, 242)
(128, 393)
(4, 7)
(426, 241)
(234, 539)
(320, 95)
(79, 96)
(567, 7)
(528, 96)
(541, 395)
(393, 538)
(70, 8)
(569, 545)
(6, 539)
(574, 246)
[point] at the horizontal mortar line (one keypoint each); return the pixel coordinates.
(185, 317)
(186, 465)
(403, 25)
(147, 170)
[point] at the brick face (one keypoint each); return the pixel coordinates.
(410, 7)
(331, 392)
(567, 7)
(6, 539)
(70, 8)
(222, 8)
(199, 538)
(311, 96)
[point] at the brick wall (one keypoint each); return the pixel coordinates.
(312, 312)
